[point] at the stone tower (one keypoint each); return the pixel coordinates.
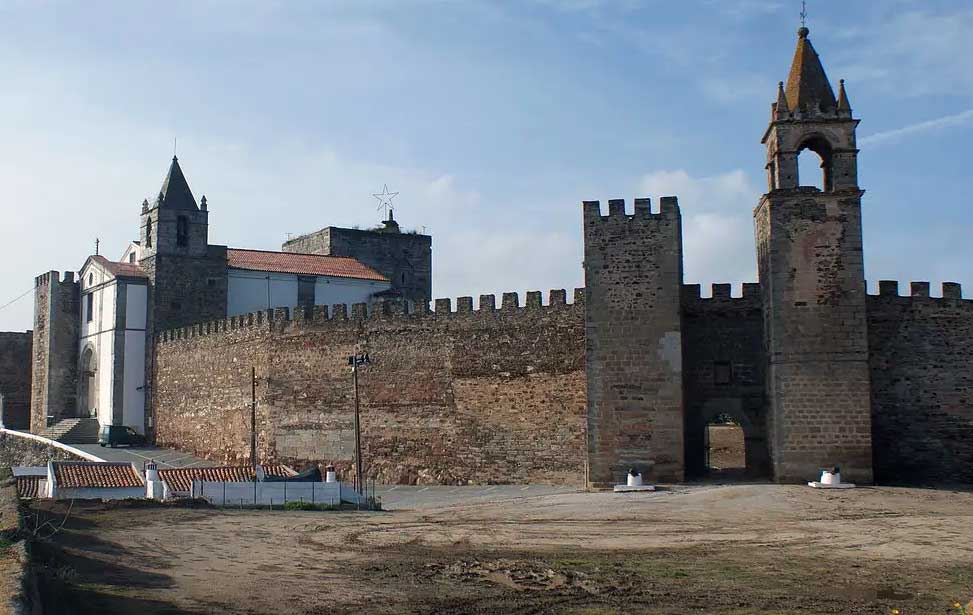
(186, 276)
(809, 252)
(633, 337)
(54, 377)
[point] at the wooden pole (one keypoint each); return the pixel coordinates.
(358, 459)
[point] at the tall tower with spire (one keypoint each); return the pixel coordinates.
(809, 252)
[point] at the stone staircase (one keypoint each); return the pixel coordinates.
(73, 431)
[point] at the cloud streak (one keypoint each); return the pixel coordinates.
(893, 136)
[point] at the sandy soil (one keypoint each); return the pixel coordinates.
(742, 549)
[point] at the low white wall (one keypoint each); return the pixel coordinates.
(237, 494)
(61, 493)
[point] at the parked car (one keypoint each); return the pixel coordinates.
(113, 435)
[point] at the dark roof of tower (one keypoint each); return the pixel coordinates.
(808, 87)
(175, 193)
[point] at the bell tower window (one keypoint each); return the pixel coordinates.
(182, 231)
(148, 233)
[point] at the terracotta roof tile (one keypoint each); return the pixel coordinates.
(27, 486)
(180, 479)
(302, 264)
(84, 474)
(130, 270)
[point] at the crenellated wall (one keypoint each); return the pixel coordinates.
(491, 395)
(724, 370)
(633, 337)
(54, 374)
(15, 362)
(921, 361)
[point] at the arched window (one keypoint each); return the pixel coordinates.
(814, 164)
(148, 233)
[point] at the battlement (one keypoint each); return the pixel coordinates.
(920, 290)
(321, 315)
(722, 296)
(46, 279)
(668, 210)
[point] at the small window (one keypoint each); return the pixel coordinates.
(182, 231)
(211, 282)
(91, 279)
(176, 306)
(403, 278)
(89, 307)
(722, 373)
(148, 233)
(131, 257)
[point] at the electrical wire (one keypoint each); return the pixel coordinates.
(13, 301)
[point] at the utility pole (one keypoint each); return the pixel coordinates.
(253, 420)
(355, 361)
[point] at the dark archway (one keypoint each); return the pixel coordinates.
(724, 442)
(726, 448)
(88, 398)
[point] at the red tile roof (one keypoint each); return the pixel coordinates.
(180, 479)
(302, 264)
(103, 474)
(124, 269)
(27, 486)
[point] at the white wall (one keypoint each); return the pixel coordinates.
(273, 492)
(247, 291)
(135, 309)
(331, 291)
(133, 410)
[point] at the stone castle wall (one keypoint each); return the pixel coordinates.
(57, 321)
(633, 336)
(724, 371)
(921, 360)
(494, 395)
(15, 361)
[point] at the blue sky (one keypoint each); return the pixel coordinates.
(493, 120)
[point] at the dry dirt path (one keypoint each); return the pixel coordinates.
(744, 549)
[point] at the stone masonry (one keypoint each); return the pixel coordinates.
(57, 321)
(633, 340)
(15, 360)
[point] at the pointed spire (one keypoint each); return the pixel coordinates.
(844, 107)
(175, 193)
(808, 89)
(781, 108)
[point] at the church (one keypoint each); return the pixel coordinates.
(578, 388)
(97, 325)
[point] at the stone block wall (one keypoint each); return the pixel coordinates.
(54, 373)
(16, 356)
(724, 371)
(404, 258)
(921, 360)
(633, 333)
(812, 276)
(493, 395)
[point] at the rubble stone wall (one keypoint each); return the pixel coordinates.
(15, 361)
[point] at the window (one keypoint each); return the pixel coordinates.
(91, 279)
(182, 231)
(175, 306)
(131, 257)
(148, 233)
(722, 373)
(89, 307)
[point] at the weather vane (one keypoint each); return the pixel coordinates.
(385, 199)
(803, 13)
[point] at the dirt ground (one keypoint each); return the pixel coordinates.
(742, 550)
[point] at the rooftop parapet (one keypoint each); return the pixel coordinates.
(722, 294)
(921, 290)
(668, 209)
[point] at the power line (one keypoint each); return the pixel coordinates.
(9, 303)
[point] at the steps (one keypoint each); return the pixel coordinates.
(73, 431)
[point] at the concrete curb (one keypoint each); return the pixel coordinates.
(47, 441)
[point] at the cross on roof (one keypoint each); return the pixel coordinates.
(803, 13)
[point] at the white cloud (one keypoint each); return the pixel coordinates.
(897, 134)
(718, 239)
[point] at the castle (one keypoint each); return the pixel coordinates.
(626, 374)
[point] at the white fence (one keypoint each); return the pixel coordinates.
(273, 493)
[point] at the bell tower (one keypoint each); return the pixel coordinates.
(809, 253)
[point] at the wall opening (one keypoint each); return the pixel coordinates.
(88, 402)
(814, 164)
(725, 447)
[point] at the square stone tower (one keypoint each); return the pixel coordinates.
(809, 252)
(633, 337)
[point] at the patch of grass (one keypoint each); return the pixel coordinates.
(309, 506)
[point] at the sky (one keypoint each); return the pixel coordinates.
(492, 119)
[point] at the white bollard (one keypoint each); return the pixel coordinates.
(831, 479)
(633, 483)
(330, 475)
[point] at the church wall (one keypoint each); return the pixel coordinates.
(247, 290)
(921, 360)
(15, 363)
(494, 395)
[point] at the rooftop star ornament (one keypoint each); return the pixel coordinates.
(385, 199)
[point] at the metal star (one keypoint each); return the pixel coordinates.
(385, 199)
